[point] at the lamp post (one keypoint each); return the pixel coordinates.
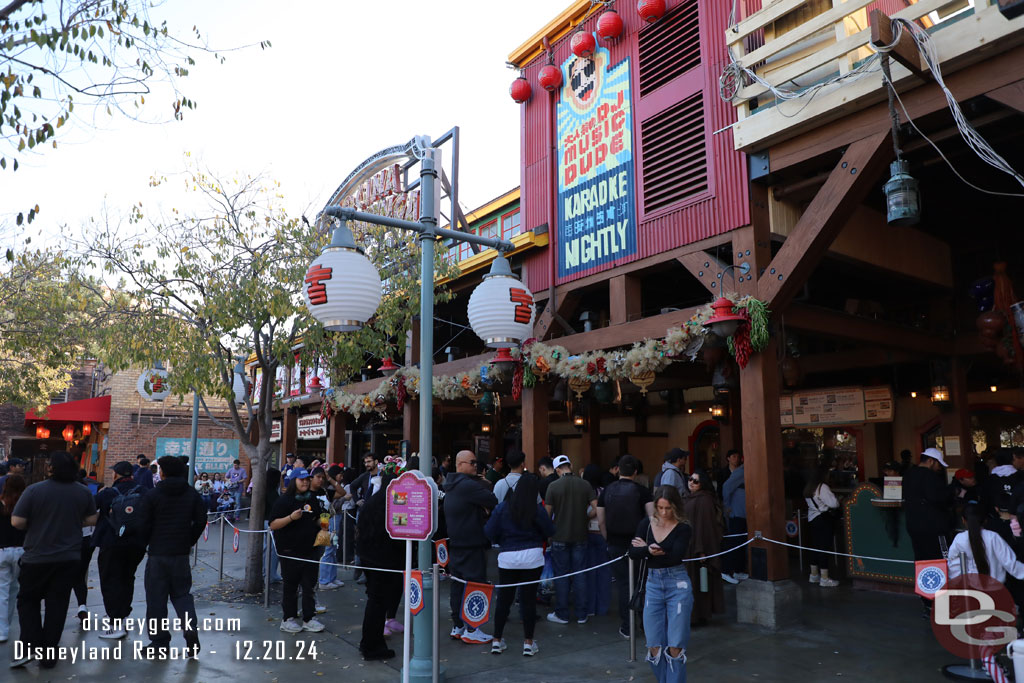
(344, 308)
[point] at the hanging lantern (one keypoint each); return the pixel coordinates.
(550, 77)
(503, 361)
(486, 403)
(609, 25)
(902, 199)
(46, 433)
(520, 90)
(720, 412)
(604, 392)
(583, 44)
(343, 288)
(578, 421)
(651, 10)
(501, 309)
(388, 367)
(152, 384)
(314, 383)
(68, 433)
(724, 379)
(86, 429)
(41, 431)
(485, 427)
(940, 395)
(724, 322)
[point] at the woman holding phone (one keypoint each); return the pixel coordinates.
(663, 541)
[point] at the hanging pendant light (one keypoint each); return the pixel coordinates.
(501, 309)
(503, 361)
(609, 25)
(86, 429)
(343, 288)
(520, 90)
(724, 322)
(550, 77)
(41, 430)
(388, 367)
(902, 198)
(486, 403)
(68, 433)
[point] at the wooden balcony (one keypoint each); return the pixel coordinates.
(795, 44)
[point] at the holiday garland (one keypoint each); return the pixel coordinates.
(538, 362)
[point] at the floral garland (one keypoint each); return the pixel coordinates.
(537, 361)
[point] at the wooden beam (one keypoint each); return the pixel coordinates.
(1011, 95)
(535, 423)
(567, 303)
(849, 183)
(836, 324)
(707, 269)
(979, 79)
(905, 51)
(851, 360)
(624, 299)
(653, 327)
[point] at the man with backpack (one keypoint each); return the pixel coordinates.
(620, 508)
(671, 471)
(119, 536)
(175, 517)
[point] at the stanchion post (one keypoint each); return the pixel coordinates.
(267, 549)
(800, 538)
(221, 567)
(435, 659)
(632, 614)
(344, 538)
(195, 554)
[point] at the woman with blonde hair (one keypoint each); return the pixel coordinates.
(661, 543)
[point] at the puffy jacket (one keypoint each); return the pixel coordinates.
(175, 517)
(504, 531)
(466, 502)
(104, 535)
(734, 494)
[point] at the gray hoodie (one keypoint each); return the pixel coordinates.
(671, 476)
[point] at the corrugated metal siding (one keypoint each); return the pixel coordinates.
(726, 207)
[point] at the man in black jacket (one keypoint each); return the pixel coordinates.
(175, 518)
(928, 504)
(120, 552)
(467, 501)
(383, 589)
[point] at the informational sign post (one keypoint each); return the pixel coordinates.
(410, 515)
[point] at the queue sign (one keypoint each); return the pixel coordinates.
(411, 507)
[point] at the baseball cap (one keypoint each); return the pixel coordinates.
(964, 474)
(561, 460)
(936, 454)
(298, 473)
(122, 469)
(15, 461)
(892, 465)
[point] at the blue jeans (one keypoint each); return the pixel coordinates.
(237, 495)
(599, 581)
(667, 621)
(567, 558)
(9, 571)
(328, 571)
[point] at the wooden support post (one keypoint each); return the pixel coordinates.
(289, 431)
(956, 420)
(905, 52)
(592, 434)
(707, 269)
(624, 296)
(566, 306)
(336, 440)
(535, 424)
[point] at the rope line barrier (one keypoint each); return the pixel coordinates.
(832, 552)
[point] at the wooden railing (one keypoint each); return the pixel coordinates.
(794, 44)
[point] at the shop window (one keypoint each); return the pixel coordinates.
(490, 230)
(511, 225)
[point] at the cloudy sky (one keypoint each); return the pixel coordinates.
(343, 79)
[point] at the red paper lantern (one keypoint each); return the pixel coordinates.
(68, 433)
(520, 90)
(40, 431)
(86, 429)
(651, 10)
(609, 25)
(550, 77)
(583, 44)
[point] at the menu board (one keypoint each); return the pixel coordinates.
(837, 406)
(411, 507)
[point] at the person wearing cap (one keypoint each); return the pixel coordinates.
(571, 501)
(928, 504)
(295, 521)
(119, 555)
(671, 471)
(289, 465)
(14, 466)
(966, 490)
(235, 479)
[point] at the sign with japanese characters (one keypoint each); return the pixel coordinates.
(275, 431)
(214, 455)
(311, 427)
(596, 174)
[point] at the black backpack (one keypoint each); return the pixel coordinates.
(126, 514)
(622, 507)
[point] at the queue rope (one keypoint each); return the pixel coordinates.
(832, 552)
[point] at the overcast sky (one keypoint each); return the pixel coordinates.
(342, 80)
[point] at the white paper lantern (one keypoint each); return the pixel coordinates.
(342, 288)
(501, 308)
(152, 384)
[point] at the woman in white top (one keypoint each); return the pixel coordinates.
(987, 553)
(820, 502)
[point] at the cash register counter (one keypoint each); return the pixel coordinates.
(875, 527)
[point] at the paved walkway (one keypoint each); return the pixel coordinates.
(845, 635)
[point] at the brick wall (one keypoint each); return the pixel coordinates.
(12, 418)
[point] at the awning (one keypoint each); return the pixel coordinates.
(86, 410)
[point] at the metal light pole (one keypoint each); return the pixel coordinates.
(192, 458)
(421, 666)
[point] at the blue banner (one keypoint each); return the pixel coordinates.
(596, 174)
(215, 455)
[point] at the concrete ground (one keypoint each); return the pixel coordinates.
(845, 634)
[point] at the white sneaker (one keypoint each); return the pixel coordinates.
(555, 619)
(329, 586)
(476, 637)
(582, 620)
(291, 625)
(530, 649)
(113, 634)
(320, 609)
(828, 583)
(312, 625)
(457, 632)
(728, 578)
(498, 646)
(740, 576)
(814, 578)
(338, 584)
(20, 661)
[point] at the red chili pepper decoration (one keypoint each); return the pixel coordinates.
(400, 393)
(517, 382)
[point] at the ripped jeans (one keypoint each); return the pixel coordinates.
(667, 621)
